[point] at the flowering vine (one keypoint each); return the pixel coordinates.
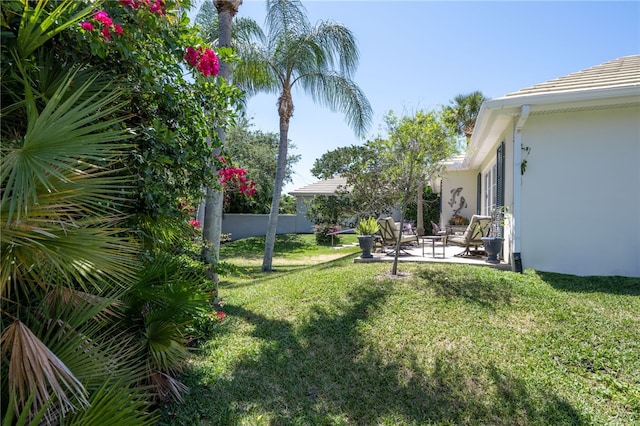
(232, 177)
(203, 59)
(157, 6)
(101, 17)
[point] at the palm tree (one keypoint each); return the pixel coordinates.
(320, 59)
(463, 112)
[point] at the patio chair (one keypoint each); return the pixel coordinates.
(471, 239)
(390, 233)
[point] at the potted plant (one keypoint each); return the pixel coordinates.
(457, 224)
(365, 231)
(493, 241)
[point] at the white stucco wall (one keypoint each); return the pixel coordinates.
(456, 186)
(581, 193)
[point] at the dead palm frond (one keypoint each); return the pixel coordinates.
(167, 388)
(33, 366)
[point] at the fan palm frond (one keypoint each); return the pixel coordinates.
(115, 403)
(68, 138)
(38, 25)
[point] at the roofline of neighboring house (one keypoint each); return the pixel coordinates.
(324, 187)
(496, 114)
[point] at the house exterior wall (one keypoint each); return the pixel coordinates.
(459, 194)
(303, 225)
(581, 193)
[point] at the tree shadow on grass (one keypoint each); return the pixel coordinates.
(594, 284)
(488, 292)
(325, 372)
(255, 276)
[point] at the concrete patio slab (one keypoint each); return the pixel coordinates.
(420, 254)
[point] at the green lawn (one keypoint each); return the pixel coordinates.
(347, 344)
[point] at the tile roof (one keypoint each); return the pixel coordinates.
(323, 187)
(619, 72)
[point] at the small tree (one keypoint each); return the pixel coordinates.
(413, 153)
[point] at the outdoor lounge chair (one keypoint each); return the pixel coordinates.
(471, 239)
(390, 232)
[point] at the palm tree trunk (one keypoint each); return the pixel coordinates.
(212, 225)
(270, 239)
(285, 111)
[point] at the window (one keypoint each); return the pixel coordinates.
(490, 190)
(494, 183)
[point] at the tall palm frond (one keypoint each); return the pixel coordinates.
(339, 93)
(285, 17)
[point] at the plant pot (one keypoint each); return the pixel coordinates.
(366, 245)
(492, 246)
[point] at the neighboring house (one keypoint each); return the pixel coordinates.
(564, 157)
(305, 195)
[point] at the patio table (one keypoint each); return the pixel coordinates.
(433, 239)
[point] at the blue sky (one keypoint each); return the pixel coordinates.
(421, 54)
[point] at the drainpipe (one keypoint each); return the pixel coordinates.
(516, 258)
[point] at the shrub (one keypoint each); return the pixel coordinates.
(323, 232)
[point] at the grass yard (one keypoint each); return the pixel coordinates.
(338, 343)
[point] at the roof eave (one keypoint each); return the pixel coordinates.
(496, 114)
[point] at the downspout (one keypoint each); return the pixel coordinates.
(516, 257)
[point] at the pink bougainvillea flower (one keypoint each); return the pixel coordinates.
(209, 63)
(191, 56)
(118, 29)
(103, 17)
(236, 177)
(195, 223)
(204, 59)
(158, 7)
(87, 26)
(130, 3)
(105, 33)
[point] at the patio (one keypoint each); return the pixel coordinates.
(415, 254)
